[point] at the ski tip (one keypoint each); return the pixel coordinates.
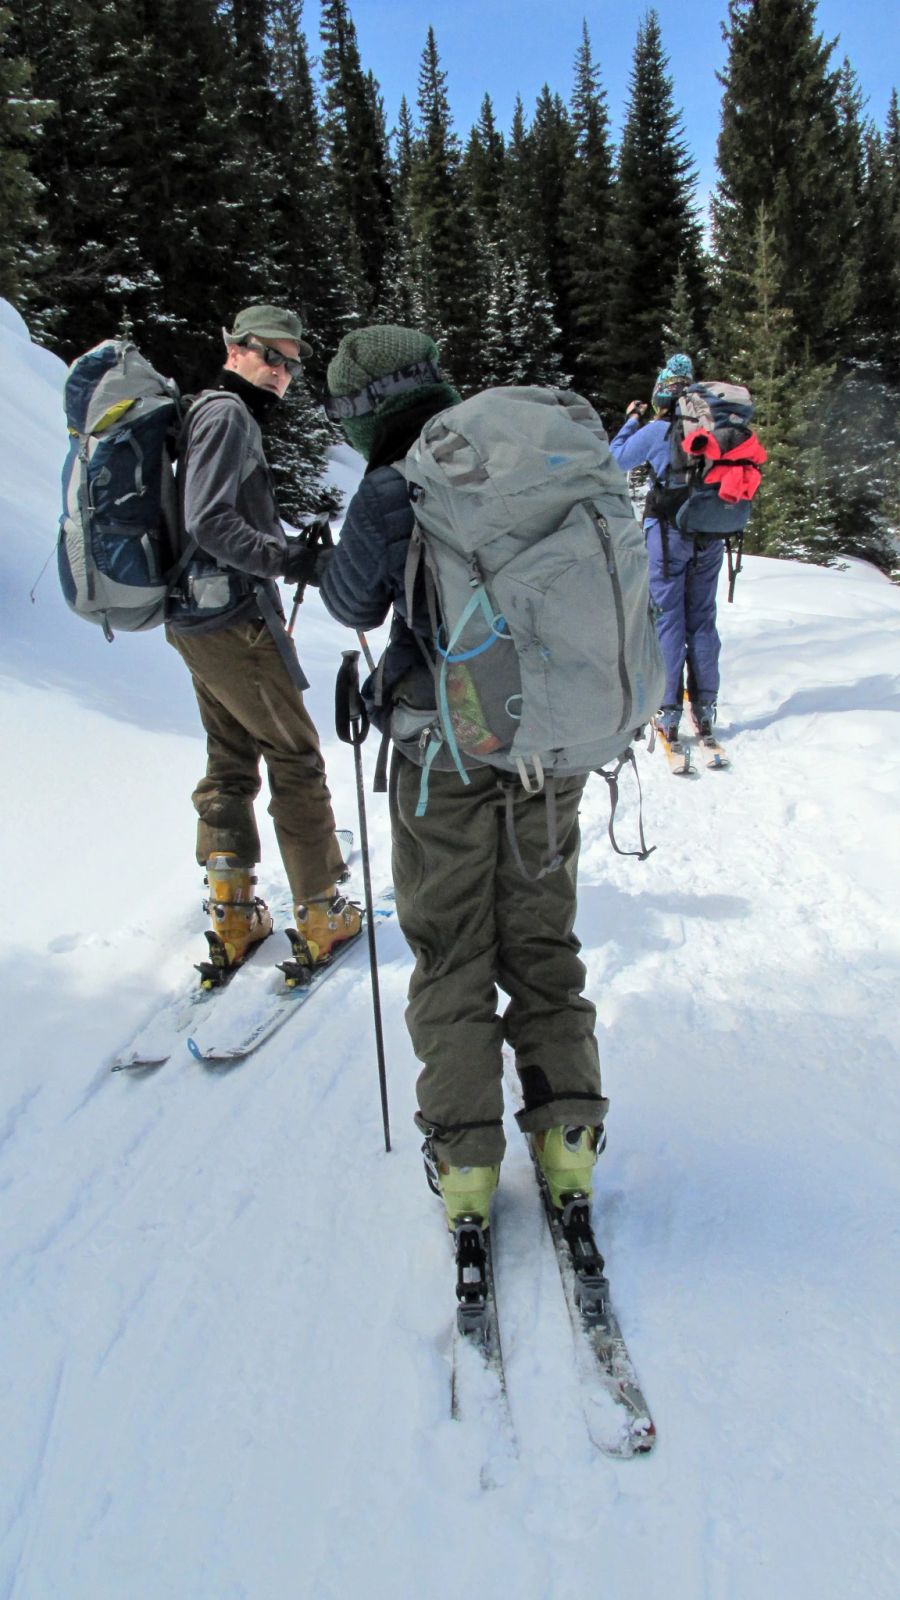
(195, 1050)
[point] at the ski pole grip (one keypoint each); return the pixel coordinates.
(320, 534)
(350, 715)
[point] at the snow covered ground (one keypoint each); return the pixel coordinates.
(225, 1309)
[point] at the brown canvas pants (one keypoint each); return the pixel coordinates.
(250, 709)
(475, 923)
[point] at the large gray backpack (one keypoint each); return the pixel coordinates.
(536, 575)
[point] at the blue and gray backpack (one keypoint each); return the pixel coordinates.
(686, 497)
(119, 527)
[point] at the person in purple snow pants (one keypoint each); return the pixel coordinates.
(684, 572)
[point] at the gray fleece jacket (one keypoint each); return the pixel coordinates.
(229, 508)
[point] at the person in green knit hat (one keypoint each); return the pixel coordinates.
(472, 920)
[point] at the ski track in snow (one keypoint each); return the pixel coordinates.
(227, 1313)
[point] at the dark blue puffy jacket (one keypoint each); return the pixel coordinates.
(364, 577)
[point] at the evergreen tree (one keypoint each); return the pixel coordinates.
(521, 338)
(21, 121)
(655, 225)
(587, 226)
(791, 512)
(782, 143)
(309, 272)
(451, 271)
(551, 146)
(64, 42)
(878, 307)
(680, 327)
(483, 168)
(358, 152)
(400, 301)
(185, 229)
(518, 201)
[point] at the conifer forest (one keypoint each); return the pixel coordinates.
(163, 162)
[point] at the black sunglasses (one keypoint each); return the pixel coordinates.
(273, 357)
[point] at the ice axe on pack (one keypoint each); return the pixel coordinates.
(352, 725)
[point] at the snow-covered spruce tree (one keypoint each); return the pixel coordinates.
(181, 218)
(878, 305)
(680, 325)
(860, 422)
(521, 339)
(587, 222)
(551, 153)
(22, 116)
(357, 146)
(483, 170)
(587, 227)
(450, 266)
(791, 511)
(400, 301)
(655, 226)
(66, 43)
(782, 144)
(307, 265)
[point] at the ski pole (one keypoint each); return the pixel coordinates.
(317, 534)
(352, 725)
(370, 659)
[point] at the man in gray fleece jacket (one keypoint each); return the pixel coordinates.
(226, 622)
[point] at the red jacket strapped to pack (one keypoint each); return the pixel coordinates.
(735, 472)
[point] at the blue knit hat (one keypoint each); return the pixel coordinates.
(672, 381)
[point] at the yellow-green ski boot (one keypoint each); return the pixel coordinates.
(465, 1191)
(566, 1158)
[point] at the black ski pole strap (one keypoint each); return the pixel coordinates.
(380, 781)
(351, 719)
(275, 624)
(612, 783)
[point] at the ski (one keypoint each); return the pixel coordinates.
(711, 750)
(477, 1378)
(677, 754)
(252, 1010)
(182, 1011)
(712, 753)
(616, 1413)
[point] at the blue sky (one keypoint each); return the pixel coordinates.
(505, 47)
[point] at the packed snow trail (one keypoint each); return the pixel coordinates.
(224, 1356)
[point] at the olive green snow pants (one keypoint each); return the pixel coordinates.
(475, 923)
(251, 710)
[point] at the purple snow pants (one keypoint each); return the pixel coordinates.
(686, 600)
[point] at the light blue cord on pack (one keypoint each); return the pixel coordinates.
(478, 602)
(434, 746)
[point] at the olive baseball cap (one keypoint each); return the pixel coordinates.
(267, 322)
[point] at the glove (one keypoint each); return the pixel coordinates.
(635, 408)
(300, 562)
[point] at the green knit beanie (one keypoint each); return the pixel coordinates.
(375, 352)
